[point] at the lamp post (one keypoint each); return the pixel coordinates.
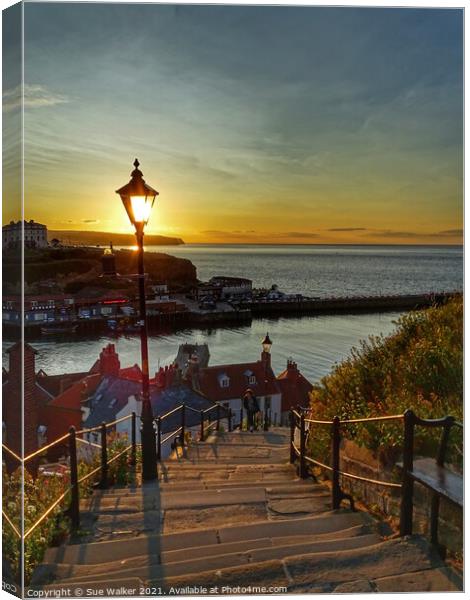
(138, 198)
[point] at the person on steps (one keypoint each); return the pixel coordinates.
(250, 404)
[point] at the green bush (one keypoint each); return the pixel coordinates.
(40, 492)
(420, 366)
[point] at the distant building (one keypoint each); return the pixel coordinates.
(224, 288)
(35, 234)
(295, 389)
(227, 384)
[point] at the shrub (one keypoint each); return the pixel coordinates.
(420, 366)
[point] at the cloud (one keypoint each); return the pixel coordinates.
(347, 229)
(299, 234)
(388, 233)
(450, 232)
(34, 96)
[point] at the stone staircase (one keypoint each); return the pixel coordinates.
(232, 516)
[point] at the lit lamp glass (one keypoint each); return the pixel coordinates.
(138, 198)
(141, 208)
(266, 343)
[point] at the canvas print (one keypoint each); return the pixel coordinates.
(232, 300)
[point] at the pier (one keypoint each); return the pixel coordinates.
(244, 312)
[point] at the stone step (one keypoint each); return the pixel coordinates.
(163, 566)
(356, 570)
(98, 552)
(162, 500)
(274, 486)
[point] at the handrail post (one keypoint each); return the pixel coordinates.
(159, 438)
(202, 426)
(303, 466)
(229, 419)
(74, 489)
(336, 439)
(292, 436)
(218, 417)
(133, 439)
(104, 458)
(406, 509)
(183, 423)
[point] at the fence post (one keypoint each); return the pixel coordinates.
(293, 455)
(303, 466)
(406, 510)
(103, 484)
(335, 488)
(218, 417)
(229, 419)
(202, 426)
(266, 421)
(133, 439)
(74, 489)
(159, 438)
(183, 424)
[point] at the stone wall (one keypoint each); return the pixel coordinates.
(362, 462)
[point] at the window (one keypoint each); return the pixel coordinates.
(224, 381)
(252, 379)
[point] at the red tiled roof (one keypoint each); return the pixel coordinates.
(131, 373)
(73, 396)
(209, 381)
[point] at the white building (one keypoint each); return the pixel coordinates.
(35, 234)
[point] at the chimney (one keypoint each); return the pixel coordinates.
(109, 361)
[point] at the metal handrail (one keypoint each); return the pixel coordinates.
(44, 448)
(12, 453)
(98, 427)
(352, 421)
(170, 435)
(318, 463)
(368, 480)
(298, 421)
(371, 419)
(46, 514)
(82, 441)
(171, 412)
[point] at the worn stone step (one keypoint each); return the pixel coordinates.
(168, 500)
(149, 566)
(180, 555)
(327, 572)
(96, 552)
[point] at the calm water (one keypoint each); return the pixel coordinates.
(316, 343)
(331, 270)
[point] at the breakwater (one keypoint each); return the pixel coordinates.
(347, 304)
(247, 311)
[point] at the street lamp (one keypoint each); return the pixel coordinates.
(138, 198)
(266, 343)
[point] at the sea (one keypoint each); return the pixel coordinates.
(316, 343)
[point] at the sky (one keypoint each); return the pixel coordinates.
(256, 124)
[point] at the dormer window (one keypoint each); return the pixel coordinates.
(224, 381)
(251, 377)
